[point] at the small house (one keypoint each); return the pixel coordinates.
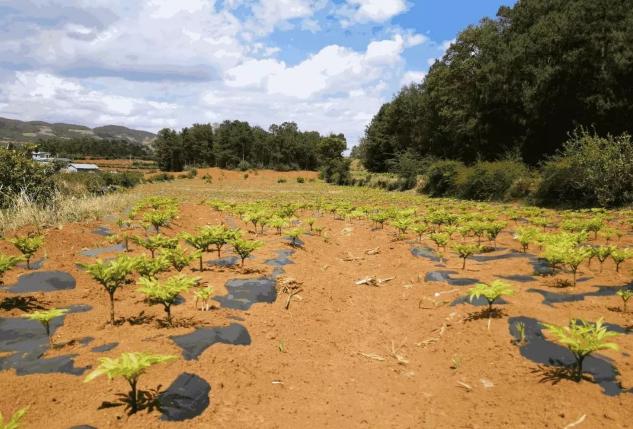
(80, 168)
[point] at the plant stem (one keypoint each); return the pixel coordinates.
(111, 294)
(133, 395)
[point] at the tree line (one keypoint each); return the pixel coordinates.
(82, 147)
(515, 85)
(237, 144)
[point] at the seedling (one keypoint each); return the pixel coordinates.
(420, 229)
(582, 338)
(45, 317)
(150, 268)
(179, 258)
(379, 219)
(159, 219)
(28, 245)
(166, 292)
(111, 275)
(201, 242)
(466, 250)
(525, 236)
(220, 236)
(520, 327)
(619, 256)
(130, 366)
(155, 242)
(6, 263)
(311, 221)
(278, 223)
(203, 296)
(402, 224)
(625, 294)
(493, 230)
(602, 253)
(244, 248)
(491, 291)
(15, 420)
(294, 235)
(440, 239)
(573, 257)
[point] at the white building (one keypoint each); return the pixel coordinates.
(77, 168)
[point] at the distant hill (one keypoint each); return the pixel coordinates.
(21, 131)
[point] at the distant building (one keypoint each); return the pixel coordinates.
(78, 168)
(42, 157)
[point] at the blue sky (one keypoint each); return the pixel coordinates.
(326, 64)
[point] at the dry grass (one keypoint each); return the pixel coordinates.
(61, 210)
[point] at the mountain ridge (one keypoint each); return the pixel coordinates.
(14, 130)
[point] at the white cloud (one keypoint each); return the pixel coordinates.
(363, 11)
(412, 77)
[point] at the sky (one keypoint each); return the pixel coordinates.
(327, 65)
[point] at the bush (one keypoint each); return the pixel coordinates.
(590, 171)
(281, 180)
(244, 166)
(337, 171)
(490, 181)
(161, 177)
(20, 175)
(441, 177)
(301, 180)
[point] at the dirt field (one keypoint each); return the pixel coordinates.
(394, 355)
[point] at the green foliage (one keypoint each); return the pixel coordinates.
(582, 338)
(490, 181)
(111, 275)
(294, 235)
(159, 218)
(45, 317)
(179, 258)
(440, 239)
(150, 267)
(6, 263)
(28, 245)
(602, 253)
(15, 420)
(625, 293)
(20, 175)
(83, 147)
(590, 171)
(441, 178)
(336, 171)
(618, 256)
(491, 291)
(244, 248)
(525, 236)
(466, 250)
(166, 292)
(402, 224)
(221, 235)
(130, 366)
(204, 296)
(155, 242)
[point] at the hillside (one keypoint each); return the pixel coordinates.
(21, 131)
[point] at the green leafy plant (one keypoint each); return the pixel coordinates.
(492, 231)
(618, 256)
(466, 250)
(220, 236)
(278, 223)
(160, 218)
(203, 296)
(294, 235)
(572, 257)
(111, 275)
(15, 421)
(28, 245)
(602, 253)
(179, 258)
(130, 366)
(201, 242)
(244, 248)
(166, 292)
(490, 291)
(582, 338)
(626, 294)
(7, 263)
(440, 239)
(402, 224)
(150, 268)
(155, 242)
(520, 327)
(526, 236)
(45, 317)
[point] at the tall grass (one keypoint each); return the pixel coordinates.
(61, 209)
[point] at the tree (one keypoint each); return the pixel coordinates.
(169, 150)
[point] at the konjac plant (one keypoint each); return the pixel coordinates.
(7, 263)
(151, 268)
(582, 338)
(244, 248)
(155, 242)
(45, 317)
(466, 250)
(112, 275)
(179, 258)
(204, 296)
(28, 245)
(625, 293)
(619, 256)
(201, 242)
(129, 366)
(490, 291)
(166, 292)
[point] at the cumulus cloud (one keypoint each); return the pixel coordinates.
(412, 77)
(151, 64)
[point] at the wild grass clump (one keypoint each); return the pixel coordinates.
(60, 209)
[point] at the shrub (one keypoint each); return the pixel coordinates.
(166, 292)
(45, 317)
(244, 248)
(590, 171)
(336, 171)
(582, 338)
(28, 245)
(244, 166)
(111, 275)
(6, 263)
(20, 175)
(466, 250)
(130, 366)
(301, 179)
(441, 177)
(489, 181)
(491, 291)
(281, 180)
